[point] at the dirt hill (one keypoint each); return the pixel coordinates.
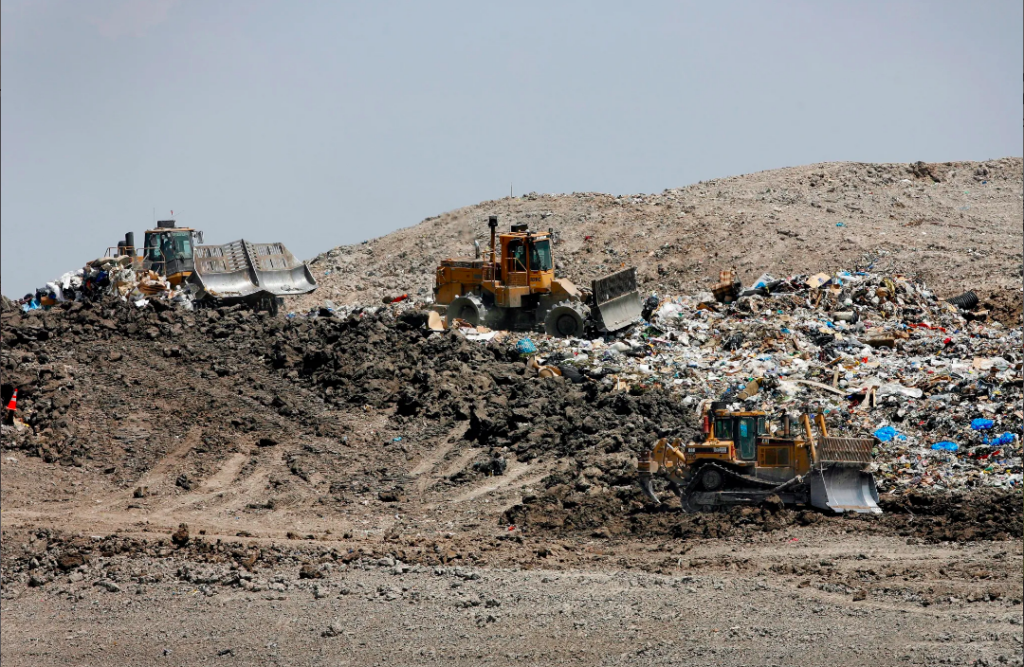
(956, 225)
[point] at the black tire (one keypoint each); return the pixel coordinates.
(566, 325)
(468, 308)
(566, 320)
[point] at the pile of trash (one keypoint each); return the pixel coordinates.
(106, 276)
(936, 382)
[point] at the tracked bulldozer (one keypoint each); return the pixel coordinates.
(514, 287)
(236, 272)
(742, 461)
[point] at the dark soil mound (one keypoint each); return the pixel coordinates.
(115, 385)
(959, 517)
(979, 515)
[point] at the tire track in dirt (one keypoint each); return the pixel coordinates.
(510, 480)
(434, 458)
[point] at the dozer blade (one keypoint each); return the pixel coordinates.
(250, 271)
(616, 299)
(844, 488)
(648, 488)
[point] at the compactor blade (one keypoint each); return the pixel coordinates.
(246, 271)
(838, 480)
(616, 299)
(844, 489)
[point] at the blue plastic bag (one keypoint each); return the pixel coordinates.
(946, 446)
(980, 424)
(526, 346)
(887, 433)
(1004, 439)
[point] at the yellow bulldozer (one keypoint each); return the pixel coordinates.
(240, 271)
(514, 287)
(744, 458)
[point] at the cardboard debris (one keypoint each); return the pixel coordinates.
(435, 322)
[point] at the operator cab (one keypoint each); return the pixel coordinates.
(526, 259)
(168, 250)
(741, 428)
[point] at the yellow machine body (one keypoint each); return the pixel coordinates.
(513, 285)
(775, 456)
(740, 460)
(240, 271)
(520, 266)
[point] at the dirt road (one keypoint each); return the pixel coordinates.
(464, 589)
(724, 604)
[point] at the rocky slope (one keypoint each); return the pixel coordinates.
(954, 225)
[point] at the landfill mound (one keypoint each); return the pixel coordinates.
(353, 395)
(167, 465)
(118, 387)
(952, 225)
(349, 461)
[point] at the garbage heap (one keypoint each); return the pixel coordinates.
(937, 383)
(103, 277)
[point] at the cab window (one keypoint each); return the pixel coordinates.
(153, 248)
(517, 254)
(723, 429)
(540, 256)
(181, 242)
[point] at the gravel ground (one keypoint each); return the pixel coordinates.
(787, 601)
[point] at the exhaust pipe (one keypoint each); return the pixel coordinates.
(492, 222)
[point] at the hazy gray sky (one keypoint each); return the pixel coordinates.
(323, 123)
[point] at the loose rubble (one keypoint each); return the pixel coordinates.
(960, 232)
(939, 386)
(107, 277)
